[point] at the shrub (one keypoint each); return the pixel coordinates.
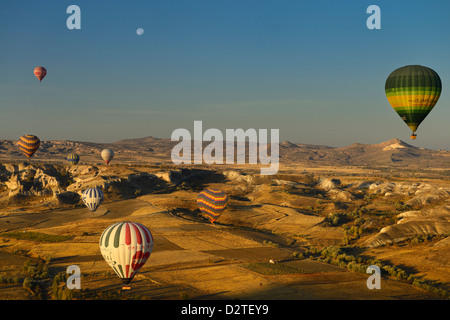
(36, 269)
(184, 295)
(36, 236)
(59, 289)
(298, 255)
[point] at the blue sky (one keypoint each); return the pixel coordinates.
(311, 69)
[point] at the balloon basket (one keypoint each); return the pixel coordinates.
(126, 288)
(413, 136)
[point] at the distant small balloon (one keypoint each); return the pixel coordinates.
(107, 155)
(29, 144)
(92, 198)
(140, 31)
(40, 73)
(73, 158)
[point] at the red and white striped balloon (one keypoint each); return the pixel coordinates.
(126, 247)
(107, 155)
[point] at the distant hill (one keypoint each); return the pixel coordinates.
(150, 150)
(394, 152)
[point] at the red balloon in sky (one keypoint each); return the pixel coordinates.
(40, 72)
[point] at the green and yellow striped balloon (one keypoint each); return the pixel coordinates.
(413, 91)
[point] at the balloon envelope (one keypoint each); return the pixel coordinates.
(92, 198)
(107, 155)
(212, 202)
(73, 158)
(413, 91)
(126, 247)
(40, 73)
(29, 144)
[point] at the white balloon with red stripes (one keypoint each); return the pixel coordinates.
(107, 155)
(126, 247)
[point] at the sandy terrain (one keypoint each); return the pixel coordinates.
(201, 260)
(399, 217)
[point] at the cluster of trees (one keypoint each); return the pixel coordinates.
(337, 256)
(59, 288)
(35, 279)
(4, 279)
(37, 274)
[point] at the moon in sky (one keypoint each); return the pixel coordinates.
(140, 31)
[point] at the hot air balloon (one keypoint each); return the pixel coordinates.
(40, 73)
(107, 155)
(73, 158)
(126, 246)
(413, 91)
(92, 198)
(212, 202)
(29, 144)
